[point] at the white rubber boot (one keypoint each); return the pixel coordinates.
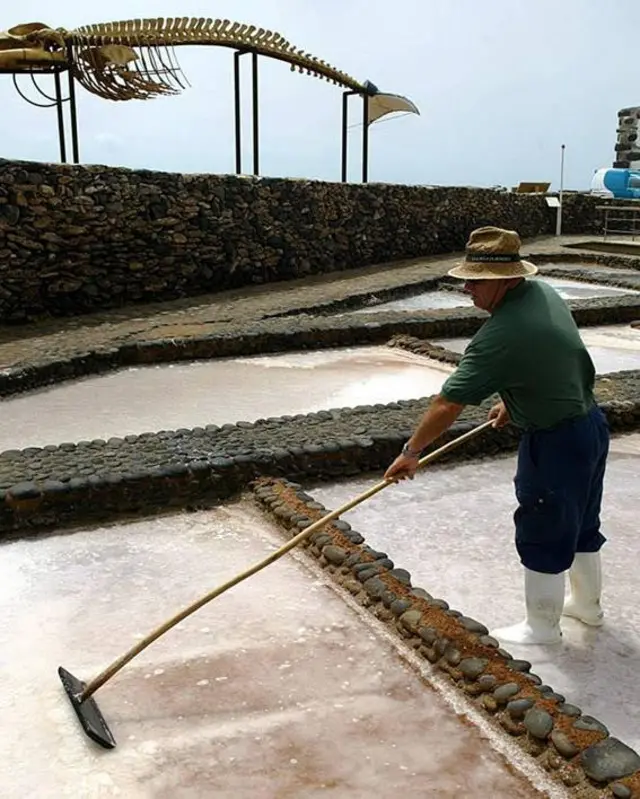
(544, 598)
(585, 578)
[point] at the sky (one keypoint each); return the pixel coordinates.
(501, 85)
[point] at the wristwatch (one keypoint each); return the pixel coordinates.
(412, 453)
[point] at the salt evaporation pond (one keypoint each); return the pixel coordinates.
(421, 302)
(452, 528)
(613, 348)
(276, 688)
(171, 396)
(448, 298)
(580, 290)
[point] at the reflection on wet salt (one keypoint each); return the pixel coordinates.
(216, 392)
(613, 348)
(451, 298)
(187, 702)
(581, 290)
(424, 301)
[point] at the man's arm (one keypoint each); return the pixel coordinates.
(439, 417)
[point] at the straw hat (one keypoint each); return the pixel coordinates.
(493, 254)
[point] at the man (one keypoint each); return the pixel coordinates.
(530, 353)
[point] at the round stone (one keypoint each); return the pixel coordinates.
(589, 724)
(335, 555)
(570, 710)
(487, 682)
(400, 606)
(429, 635)
(609, 760)
(375, 587)
(453, 656)
(366, 574)
(402, 575)
(473, 626)
(518, 707)
(539, 723)
(364, 566)
(411, 620)
(488, 640)
(505, 692)
(519, 665)
(490, 703)
(442, 644)
(564, 746)
(53, 487)
(621, 791)
(24, 490)
(472, 668)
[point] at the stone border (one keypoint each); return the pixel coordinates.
(576, 750)
(607, 247)
(364, 299)
(426, 348)
(92, 482)
(630, 262)
(291, 334)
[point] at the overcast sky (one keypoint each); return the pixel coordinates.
(500, 84)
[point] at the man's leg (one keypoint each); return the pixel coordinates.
(546, 532)
(585, 575)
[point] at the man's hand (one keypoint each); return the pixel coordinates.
(500, 414)
(402, 467)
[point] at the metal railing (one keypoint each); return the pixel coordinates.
(627, 214)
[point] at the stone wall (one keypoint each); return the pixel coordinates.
(75, 239)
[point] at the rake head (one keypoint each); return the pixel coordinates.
(87, 710)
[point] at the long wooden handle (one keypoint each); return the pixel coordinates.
(111, 670)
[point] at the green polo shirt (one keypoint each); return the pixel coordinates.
(530, 353)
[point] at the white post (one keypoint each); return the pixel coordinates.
(559, 216)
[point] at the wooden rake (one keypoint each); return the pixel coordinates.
(81, 694)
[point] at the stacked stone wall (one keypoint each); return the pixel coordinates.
(76, 239)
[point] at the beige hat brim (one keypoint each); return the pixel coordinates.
(482, 270)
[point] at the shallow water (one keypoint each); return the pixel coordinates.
(195, 394)
(276, 688)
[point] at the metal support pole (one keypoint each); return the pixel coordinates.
(237, 110)
(559, 216)
(72, 107)
(59, 111)
(365, 138)
(345, 120)
(256, 141)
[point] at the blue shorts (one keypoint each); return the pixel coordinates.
(559, 482)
